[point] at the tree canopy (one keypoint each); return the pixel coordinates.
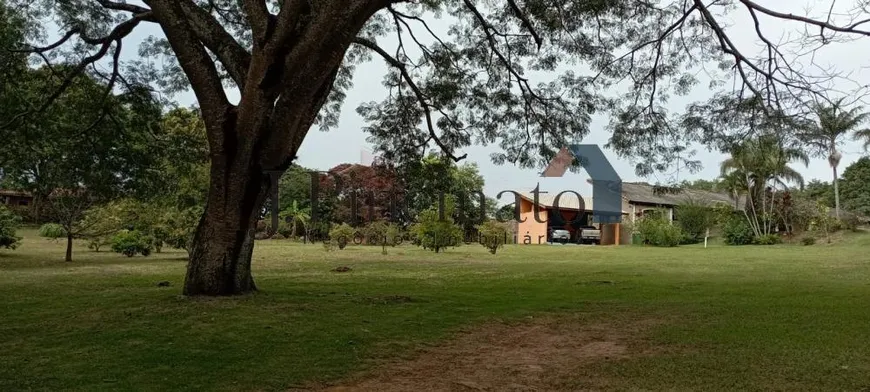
(855, 190)
(471, 82)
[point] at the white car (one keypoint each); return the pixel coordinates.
(558, 235)
(589, 235)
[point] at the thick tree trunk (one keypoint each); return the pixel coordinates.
(69, 244)
(290, 74)
(220, 258)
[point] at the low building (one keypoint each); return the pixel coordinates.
(571, 213)
(639, 198)
(11, 198)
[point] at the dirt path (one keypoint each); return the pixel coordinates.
(536, 355)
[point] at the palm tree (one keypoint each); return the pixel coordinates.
(826, 136)
(294, 215)
(758, 167)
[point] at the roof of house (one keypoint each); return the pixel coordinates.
(568, 201)
(643, 193)
(7, 192)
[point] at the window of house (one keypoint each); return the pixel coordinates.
(22, 202)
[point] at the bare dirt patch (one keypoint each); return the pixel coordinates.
(543, 354)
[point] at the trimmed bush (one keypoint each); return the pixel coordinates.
(738, 232)
(694, 220)
(52, 230)
(131, 242)
(768, 239)
(659, 232)
(8, 225)
(342, 235)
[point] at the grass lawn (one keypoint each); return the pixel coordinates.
(784, 317)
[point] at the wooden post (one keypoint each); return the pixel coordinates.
(616, 234)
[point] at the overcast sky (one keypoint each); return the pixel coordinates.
(347, 143)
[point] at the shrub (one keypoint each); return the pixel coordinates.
(657, 231)
(694, 220)
(375, 233)
(493, 235)
(430, 232)
(342, 235)
(131, 242)
(808, 240)
(737, 232)
(52, 230)
(285, 230)
(394, 234)
(382, 233)
(849, 221)
(8, 225)
(768, 239)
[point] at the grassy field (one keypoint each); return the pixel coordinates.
(782, 317)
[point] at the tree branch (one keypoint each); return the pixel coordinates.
(525, 22)
(229, 52)
(116, 35)
(259, 18)
(197, 65)
(852, 29)
(427, 110)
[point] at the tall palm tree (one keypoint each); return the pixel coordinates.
(825, 137)
(758, 166)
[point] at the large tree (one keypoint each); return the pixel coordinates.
(856, 187)
(835, 123)
(78, 153)
(292, 60)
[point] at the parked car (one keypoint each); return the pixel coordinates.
(589, 235)
(559, 235)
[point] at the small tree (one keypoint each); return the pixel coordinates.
(69, 208)
(342, 235)
(102, 223)
(8, 225)
(436, 234)
(493, 235)
(824, 222)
